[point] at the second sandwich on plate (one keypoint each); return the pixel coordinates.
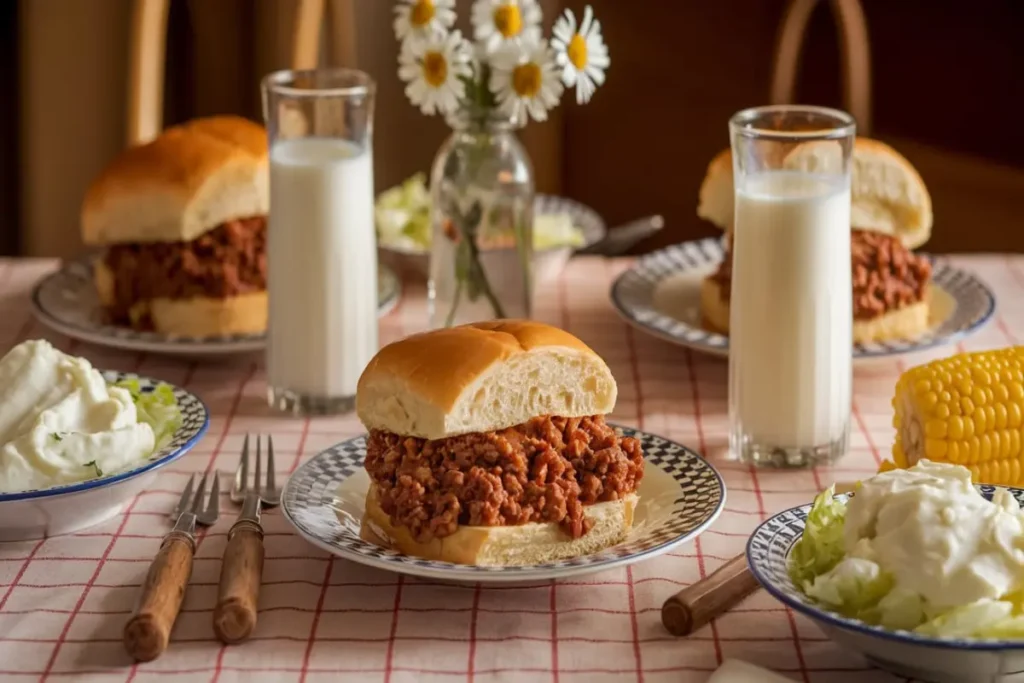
(891, 214)
(488, 445)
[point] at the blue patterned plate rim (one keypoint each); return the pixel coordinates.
(945, 275)
(785, 593)
(391, 559)
(181, 443)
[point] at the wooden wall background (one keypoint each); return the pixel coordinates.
(948, 83)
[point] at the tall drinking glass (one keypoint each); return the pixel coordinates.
(321, 244)
(791, 306)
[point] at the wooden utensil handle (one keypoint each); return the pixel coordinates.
(696, 605)
(241, 572)
(149, 629)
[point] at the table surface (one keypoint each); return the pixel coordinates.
(64, 600)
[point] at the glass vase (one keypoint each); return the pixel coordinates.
(482, 193)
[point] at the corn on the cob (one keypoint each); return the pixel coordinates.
(967, 410)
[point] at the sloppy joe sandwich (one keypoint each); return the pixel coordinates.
(183, 223)
(488, 445)
(891, 214)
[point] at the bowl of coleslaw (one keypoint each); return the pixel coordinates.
(402, 216)
(919, 570)
(78, 444)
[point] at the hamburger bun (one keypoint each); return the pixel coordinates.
(480, 378)
(192, 317)
(887, 193)
(186, 182)
(905, 323)
(524, 544)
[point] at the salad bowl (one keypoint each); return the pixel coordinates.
(71, 507)
(904, 653)
(562, 226)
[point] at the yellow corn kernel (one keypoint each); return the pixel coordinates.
(966, 409)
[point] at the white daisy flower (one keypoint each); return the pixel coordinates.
(433, 69)
(581, 54)
(524, 79)
(498, 21)
(421, 18)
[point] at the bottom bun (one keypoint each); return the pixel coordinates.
(505, 546)
(192, 317)
(906, 323)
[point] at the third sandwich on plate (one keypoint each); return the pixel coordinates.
(488, 445)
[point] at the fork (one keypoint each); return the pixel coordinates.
(241, 571)
(149, 629)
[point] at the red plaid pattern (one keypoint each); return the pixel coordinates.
(64, 601)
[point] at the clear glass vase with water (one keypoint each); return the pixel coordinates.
(482, 220)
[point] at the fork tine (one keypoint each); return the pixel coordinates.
(213, 505)
(186, 496)
(197, 502)
(270, 463)
(242, 471)
(259, 457)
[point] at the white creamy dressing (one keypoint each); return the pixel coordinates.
(931, 529)
(60, 422)
(791, 315)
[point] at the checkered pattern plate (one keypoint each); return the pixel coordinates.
(195, 420)
(660, 295)
(66, 301)
(681, 494)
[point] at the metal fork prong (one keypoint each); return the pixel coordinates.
(197, 502)
(213, 505)
(186, 496)
(259, 466)
(270, 463)
(242, 471)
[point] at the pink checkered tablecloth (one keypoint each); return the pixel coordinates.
(64, 600)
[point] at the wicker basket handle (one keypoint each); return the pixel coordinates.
(855, 51)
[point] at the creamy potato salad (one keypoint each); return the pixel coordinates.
(918, 549)
(402, 214)
(61, 422)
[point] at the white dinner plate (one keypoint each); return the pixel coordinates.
(660, 295)
(681, 494)
(66, 301)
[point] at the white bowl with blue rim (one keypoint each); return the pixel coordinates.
(681, 495)
(660, 295)
(547, 263)
(918, 657)
(72, 507)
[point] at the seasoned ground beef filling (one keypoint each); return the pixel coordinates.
(886, 275)
(545, 470)
(227, 261)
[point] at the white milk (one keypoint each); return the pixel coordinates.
(791, 324)
(322, 267)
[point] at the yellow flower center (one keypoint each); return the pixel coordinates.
(526, 79)
(508, 20)
(422, 13)
(435, 69)
(577, 51)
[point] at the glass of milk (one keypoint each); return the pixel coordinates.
(321, 243)
(791, 308)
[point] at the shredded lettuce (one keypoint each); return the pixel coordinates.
(859, 588)
(821, 546)
(157, 408)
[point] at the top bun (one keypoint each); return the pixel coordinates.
(480, 378)
(887, 193)
(186, 182)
